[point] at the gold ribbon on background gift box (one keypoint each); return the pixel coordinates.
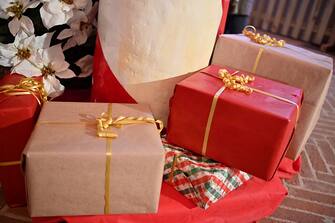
(104, 123)
(250, 32)
(236, 83)
(26, 86)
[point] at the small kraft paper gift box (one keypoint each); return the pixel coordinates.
(20, 101)
(243, 121)
(93, 158)
(283, 62)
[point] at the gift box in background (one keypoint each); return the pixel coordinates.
(18, 114)
(247, 131)
(71, 171)
(199, 179)
(167, 41)
(289, 64)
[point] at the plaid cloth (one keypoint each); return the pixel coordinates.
(201, 180)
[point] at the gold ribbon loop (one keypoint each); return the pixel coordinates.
(26, 86)
(250, 31)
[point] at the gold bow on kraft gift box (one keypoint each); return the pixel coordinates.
(266, 40)
(237, 83)
(104, 124)
(26, 86)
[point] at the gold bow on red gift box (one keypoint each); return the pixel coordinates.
(26, 86)
(237, 83)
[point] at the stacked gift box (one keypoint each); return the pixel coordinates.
(228, 125)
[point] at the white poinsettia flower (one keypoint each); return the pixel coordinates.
(58, 12)
(86, 65)
(15, 9)
(52, 64)
(81, 26)
(52, 86)
(21, 55)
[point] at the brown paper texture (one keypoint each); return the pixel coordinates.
(157, 94)
(65, 163)
(290, 64)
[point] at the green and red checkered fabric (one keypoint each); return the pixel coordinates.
(201, 180)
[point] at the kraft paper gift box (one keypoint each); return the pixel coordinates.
(18, 114)
(143, 50)
(289, 64)
(246, 131)
(71, 171)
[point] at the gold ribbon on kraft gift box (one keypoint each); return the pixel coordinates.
(250, 32)
(26, 86)
(104, 122)
(236, 83)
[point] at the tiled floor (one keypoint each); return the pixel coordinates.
(311, 194)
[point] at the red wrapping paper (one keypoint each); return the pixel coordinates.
(106, 87)
(17, 118)
(248, 132)
(253, 201)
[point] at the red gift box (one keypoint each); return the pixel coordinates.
(249, 132)
(17, 118)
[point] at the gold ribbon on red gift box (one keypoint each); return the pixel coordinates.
(239, 83)
(236, 83)
(26, 86)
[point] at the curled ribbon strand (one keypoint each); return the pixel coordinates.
(250, 31)
(26, 86)
(104, 122)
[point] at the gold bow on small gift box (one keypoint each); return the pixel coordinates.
(265, 40)
(250, 31)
